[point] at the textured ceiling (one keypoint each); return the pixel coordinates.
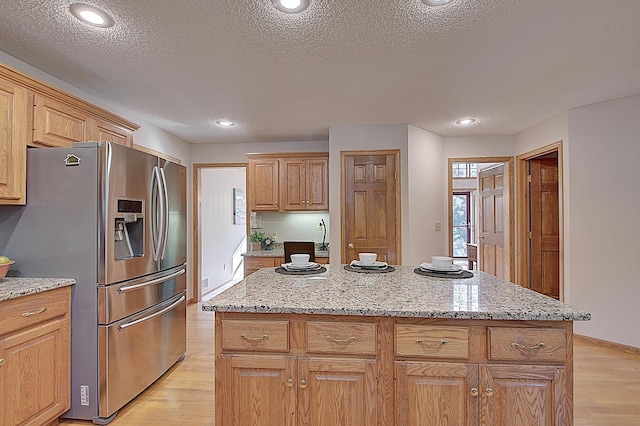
(183, 64)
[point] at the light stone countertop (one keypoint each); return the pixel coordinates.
(277, 252)
(401, 293)
(14, 287)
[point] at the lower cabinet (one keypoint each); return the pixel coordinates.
(298, 369)
(473, 394)
(35, 358)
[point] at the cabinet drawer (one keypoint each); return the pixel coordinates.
(432, 341)
(341, 338)
(255, 336)
(16, 314)
(527, 344)
(260, 262)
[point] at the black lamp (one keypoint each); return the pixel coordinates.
(324, 246)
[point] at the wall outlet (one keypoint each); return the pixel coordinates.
(84, 395)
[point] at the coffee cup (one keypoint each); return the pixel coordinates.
(300, 259)
(368, 258)
(441, 261)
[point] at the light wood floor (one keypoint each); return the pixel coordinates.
(606, 385)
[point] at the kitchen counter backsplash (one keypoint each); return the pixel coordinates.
(278, 251)
(14, 287)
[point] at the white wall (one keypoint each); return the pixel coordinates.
(237, 152)
(295, 226)
(426, 195)
(604, 175)
(221, 241)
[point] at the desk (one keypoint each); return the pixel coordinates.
(472, 254)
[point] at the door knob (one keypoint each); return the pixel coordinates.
(350, 245)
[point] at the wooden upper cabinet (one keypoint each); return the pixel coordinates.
(264, 184)
(57, 125)
(100, 130)
(288, 182)
(14, 134)
(305, 184)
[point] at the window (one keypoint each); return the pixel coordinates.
(464, 170)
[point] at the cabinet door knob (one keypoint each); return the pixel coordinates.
(474, 392)
(488, 391)
(350, 246)
(303, 383)
(289, 383)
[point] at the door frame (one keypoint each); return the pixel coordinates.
(343, 242)
(522, 199)
(509, 168)
(197, 170)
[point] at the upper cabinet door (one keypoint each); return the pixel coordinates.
(264, 185)
(58, 125)
(100, 130)
(305, 184)
(317, 171)
(14, 135)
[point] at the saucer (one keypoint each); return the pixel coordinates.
(448, 269)
(301, 267)
(374, 265)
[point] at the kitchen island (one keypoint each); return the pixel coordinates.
(391, 348)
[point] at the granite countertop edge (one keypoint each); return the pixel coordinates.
(277, 253)
(15, 287)
(508, 316)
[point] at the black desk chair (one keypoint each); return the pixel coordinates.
(302, 247)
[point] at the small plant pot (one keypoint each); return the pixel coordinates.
(256, 246)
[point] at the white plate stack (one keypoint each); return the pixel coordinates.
(309, 266)
(451, 269)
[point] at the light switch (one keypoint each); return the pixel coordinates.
(438, 226)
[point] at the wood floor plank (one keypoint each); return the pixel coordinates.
(606, 385)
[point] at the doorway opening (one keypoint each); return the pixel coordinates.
(219, 227)
(471, 211)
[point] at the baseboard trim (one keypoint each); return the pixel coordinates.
(607, 344)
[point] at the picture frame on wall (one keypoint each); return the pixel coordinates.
(239, 206)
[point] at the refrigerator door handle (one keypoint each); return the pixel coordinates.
(126, 288)
(157, 213)
(155, 314)
(165, 223)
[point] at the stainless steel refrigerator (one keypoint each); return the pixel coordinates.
(113, 218)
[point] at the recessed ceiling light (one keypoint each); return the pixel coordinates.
(91, 15)
(225, 123)
(466, 121)
(291, 6)
(435, 2)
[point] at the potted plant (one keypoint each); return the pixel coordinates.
(257, 240)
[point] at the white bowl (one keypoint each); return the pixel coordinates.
(368, 258)
(300, 259)
(441, 261)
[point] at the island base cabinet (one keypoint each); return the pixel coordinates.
(456, 394)
(519, 395)
(34, 374)
(287, 390)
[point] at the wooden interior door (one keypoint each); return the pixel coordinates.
(371, 206)
(494, 256)
(544, 227)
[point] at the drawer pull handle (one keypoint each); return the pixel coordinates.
(432, 344)
(28, 314)
(527, 348)
(474, 392)
(255, 339)
(334, 340)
